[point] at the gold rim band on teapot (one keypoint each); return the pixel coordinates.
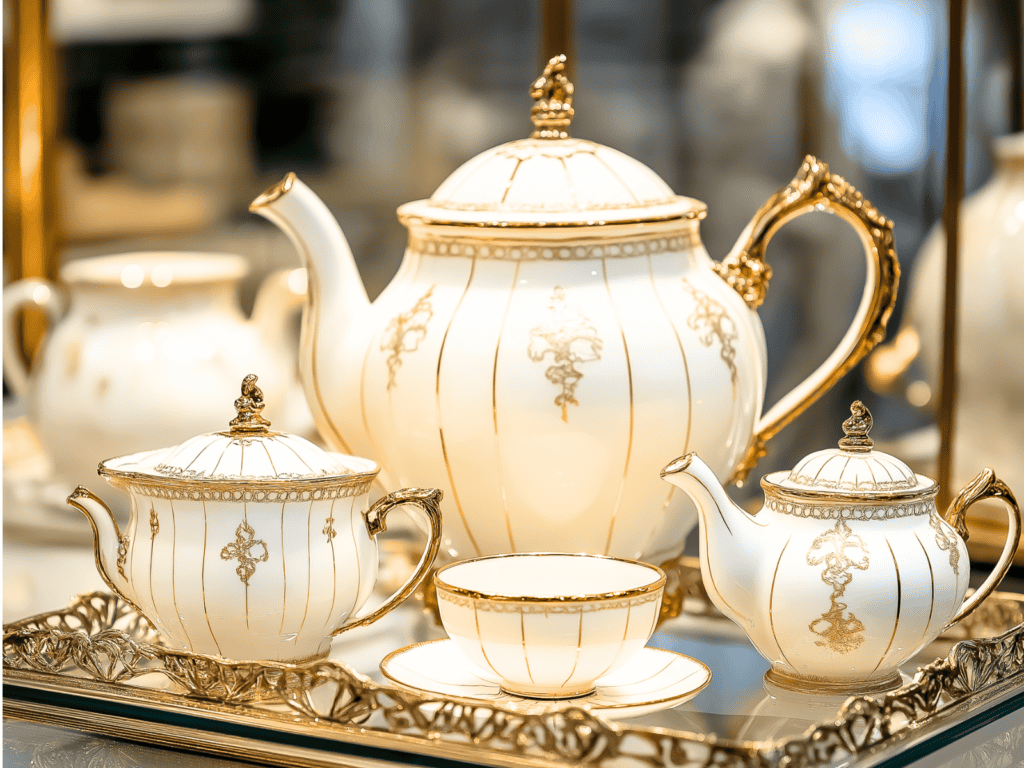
(815, 188)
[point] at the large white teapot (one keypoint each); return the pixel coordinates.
(849, 569)
(555, 328)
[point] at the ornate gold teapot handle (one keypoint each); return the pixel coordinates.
(429, 502)
(985, 486)
(815, 189)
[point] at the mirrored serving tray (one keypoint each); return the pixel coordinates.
(98, 667)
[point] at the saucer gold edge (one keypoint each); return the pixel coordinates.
(569, 702)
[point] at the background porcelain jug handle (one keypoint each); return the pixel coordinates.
(815, 189)
(985, 486)
(280, 295)
(429, 501)
(18, 295)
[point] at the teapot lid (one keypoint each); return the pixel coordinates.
(853, 470)
(550, 179)
(248, 456)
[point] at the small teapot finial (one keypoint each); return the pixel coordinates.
(856, 428)
(553, 111)
(249, 406)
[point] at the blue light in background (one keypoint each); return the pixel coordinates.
(879, 59)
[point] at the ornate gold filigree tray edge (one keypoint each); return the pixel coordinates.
(99, 644)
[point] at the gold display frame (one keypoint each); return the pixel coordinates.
(86, 656)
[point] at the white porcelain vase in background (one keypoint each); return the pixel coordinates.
(147, 349)
(555, 329)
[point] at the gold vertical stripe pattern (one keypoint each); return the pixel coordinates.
(579, 646)
(309, 567)
(494, 405)
(526, 657)
(440, 427)
(899, 605)
(771, 614)
(284, 570)
(480, 637)
(355, 556)
(202, 584)
(152, 547)
(625, 634)
(629, 375)
(174, 588)
(931, 575)
(686, 368)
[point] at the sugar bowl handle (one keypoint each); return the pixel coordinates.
(428, 500)
(985, 486)
(815, 188)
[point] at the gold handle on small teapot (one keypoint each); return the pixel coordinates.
(985, 486)
(429, 501)
(815, 189)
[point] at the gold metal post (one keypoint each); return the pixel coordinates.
(29, 162)
(951, 222)
(557, 33)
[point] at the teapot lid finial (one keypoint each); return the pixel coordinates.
(856, 429)
(249, 406)
(552, 92)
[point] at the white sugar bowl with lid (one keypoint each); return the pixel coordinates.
(249, 543)
(849, 569)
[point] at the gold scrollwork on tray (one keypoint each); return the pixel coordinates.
(570, 339)
(841, 632)
(241, 550)
(405, 333)
(106, 644)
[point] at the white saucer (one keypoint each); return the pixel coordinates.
(653, 680)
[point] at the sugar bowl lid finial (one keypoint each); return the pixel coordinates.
(249, 407)
(552, 92)
(856, 429)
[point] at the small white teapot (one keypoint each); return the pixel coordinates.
(249, 544)
(848, 570)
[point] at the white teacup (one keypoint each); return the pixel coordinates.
(549, 625)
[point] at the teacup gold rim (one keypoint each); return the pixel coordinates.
(568, 701)
(598, 597)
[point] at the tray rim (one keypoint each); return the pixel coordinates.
(971, 659)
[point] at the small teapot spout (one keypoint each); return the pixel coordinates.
(111, 547)
(727, 537)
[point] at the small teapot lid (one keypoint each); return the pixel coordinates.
(854, 469)
(551, 179)
(247, 455)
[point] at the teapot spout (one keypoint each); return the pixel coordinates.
(111, 547)
(728, 536)
(336, 299)
(336, 288)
